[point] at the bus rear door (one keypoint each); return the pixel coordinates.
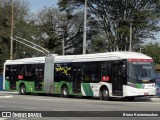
(77, 77)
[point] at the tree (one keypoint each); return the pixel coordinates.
(57, 26)
(117, 16)
(20, 11)
(152, 50)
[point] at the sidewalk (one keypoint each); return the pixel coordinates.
(6, 94)
(155, 98)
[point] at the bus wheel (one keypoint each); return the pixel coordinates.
(104, 95)
(22, 89)
(65, 91)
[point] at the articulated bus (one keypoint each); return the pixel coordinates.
(104, 75)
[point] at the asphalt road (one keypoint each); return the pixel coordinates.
(66, 107)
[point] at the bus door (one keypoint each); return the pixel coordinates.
(117, 78)
(39, 76)
(13, 77)
(77, 77)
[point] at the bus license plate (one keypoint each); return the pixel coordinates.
(149, 86)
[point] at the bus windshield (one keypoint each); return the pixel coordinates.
(141, 71)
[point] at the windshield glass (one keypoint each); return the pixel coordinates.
(141, 70)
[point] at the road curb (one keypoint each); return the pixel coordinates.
(6, 96)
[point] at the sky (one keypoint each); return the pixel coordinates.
(36, 5)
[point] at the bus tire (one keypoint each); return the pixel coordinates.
(64, 92)
(22, 89)
(104, 94)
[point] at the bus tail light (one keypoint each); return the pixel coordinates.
(105, 78)
(20, 77)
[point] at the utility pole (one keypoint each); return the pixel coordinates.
(130, 36)
(63, 43)
(84, 36)
(11, 44)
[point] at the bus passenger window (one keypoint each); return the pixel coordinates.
(91, 72)
(7, 72)
(87, 67)
(106, 66)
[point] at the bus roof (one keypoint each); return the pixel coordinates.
(82, 58)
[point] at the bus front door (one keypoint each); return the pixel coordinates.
(77, 78)
(117, 78)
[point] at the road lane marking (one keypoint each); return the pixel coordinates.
(29, 108)
(59, 110)
(3, 118)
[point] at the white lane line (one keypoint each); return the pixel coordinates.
(29, 108)
(3, 118)
(9, 96)
(59, 110)
(39, 99)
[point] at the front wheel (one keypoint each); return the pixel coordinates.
(22, 90)
(104, 94)
(65, 91)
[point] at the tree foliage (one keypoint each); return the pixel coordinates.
(153, 50)
(57, 26)
(108, 26)
(20, 10)
(115, 18)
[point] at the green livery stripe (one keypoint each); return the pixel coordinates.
(138, 85)
(87, 89)
(7, 85)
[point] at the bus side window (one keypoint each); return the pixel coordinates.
(7, 71)
(87, 67)
(96, 72)
(28, 70)
(91, 72)
(106, 71)
(20, 70)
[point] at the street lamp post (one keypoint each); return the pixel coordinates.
(84, 36)
(11, 44)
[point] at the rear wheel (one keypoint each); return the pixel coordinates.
(104, 94)
(22, 89)
(65, 91)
